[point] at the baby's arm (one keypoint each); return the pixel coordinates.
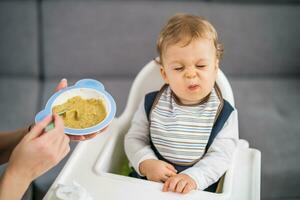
(218, 157)
(137, 141)
(139, 152)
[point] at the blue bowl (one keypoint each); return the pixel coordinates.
(86, 89)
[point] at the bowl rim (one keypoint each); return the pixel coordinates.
(82, 84)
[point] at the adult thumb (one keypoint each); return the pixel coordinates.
(39, 127)
(61, 85)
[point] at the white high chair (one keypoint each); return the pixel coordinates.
(96, 164)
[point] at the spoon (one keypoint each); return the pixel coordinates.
(64, 112)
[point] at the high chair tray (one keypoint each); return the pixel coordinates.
(89, 166)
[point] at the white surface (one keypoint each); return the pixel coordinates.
(71, 192)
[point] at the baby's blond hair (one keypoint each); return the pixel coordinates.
(186, 28)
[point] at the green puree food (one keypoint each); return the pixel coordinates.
(81, 113)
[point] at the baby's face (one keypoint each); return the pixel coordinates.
(190, 71)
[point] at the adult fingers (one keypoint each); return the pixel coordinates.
(59, 123)
(65, 146)
(62, 84)
(90, 136)
(76, 137)
(38, 128)
(104, 129)
(83, 137)
(59, 145)
(65, 143)
(180, 186)
(67, 150)
(57, 133)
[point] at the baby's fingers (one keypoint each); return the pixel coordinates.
(164, 178)
(170, 173)
(166, 186)
(171, 167)
(181, 185)
(187, 188)
(173, 183)
(166, 174)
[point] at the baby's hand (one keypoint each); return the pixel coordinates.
(157, 170)
(180, 183)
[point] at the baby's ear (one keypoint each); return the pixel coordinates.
(217, 63)
(163, 74)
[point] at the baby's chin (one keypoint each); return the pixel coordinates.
(191, 101)
(194, 98)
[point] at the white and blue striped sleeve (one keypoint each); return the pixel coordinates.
(219, 156)
(137, 141)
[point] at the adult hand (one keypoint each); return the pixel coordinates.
(85, 137)
(180, 183)
(157, 170)
(31, 154)
(35, 154)
(39, 151)
(61, 85)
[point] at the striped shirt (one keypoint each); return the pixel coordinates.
(180, 133)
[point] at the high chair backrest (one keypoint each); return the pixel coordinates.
(149, 79)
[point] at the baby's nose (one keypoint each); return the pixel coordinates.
(191, 74)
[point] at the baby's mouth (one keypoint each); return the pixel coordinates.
(193, 87)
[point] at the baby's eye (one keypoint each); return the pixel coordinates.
(178, 68)
(200, 66)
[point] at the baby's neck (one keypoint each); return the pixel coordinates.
(189, 103)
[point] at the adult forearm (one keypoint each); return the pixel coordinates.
(12, 186)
